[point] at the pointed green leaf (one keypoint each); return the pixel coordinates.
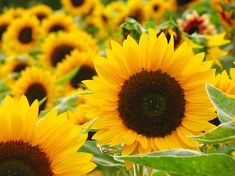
(68, 77)
(224, 132)
(222, 102)
(187, 162)
(100, 158)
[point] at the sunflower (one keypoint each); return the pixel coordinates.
(15, 12)
(79, 7)
(150, 100)
(43, 147)
(58, 22)
(21, 36)
(136, 10)
(36, 83)
(57, 46)
(40, 11)
(183, 4)
(81, 61)
(5, 21)
(156, 9)
(14, 65)
(194, 23)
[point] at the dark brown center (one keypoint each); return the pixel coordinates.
(151, 103)
(137, 15)
(18, 158)
(77, 3)
(60, 52)
(3, 29)
(84, 73)
(183, 2)
(36, 91)
(19, 67)
(25, 35)
(56, 28)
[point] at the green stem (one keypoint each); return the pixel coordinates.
(141, 170)
(135, 167)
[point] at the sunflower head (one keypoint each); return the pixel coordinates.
(35, 83)
(81, 61)
(5, 21)
(15, 12)
(40, 11)
(58, 22)
(136, 10)
(80, 7)
(57, 47)
(150, 100)
(22, 35)
(14, 65)
(33, 146)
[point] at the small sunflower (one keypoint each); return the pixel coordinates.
(15, 12)
(79, 7)
(57, 46)
(36, 83)
(21, 36)
(40, 11)
(14, 65)
(183, 4)
(136, 10)
(194, 23)
(155, 9)
(82, 61)
(150, 97)
(42, 147)
(5, 21)
(58, 22)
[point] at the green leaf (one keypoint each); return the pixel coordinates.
(187, 162)
(100, 158)
(68, 77)
(224, 132)
(222, 102)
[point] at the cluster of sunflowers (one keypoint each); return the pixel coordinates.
(88, 87)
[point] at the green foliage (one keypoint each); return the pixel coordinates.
(223, 133)
(187, 162)
(222, 102)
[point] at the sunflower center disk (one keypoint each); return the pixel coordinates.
(3, 28)
(77, 3)
(60, 53)
(36, 91)
(20, 67)
(25, 35)
(56, 28)
(151, 103)
(84, 73)
(21, 159)
(183, 2)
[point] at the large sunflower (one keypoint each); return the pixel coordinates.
(40, 147)
(22, 35)
(150, 97)
(77, 60)
(40, 11)
(36, 83)
(57, 46)
(58, 22)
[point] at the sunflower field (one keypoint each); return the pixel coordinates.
(117, 87)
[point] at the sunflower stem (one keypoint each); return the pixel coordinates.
(135, 168)
(141, 170)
